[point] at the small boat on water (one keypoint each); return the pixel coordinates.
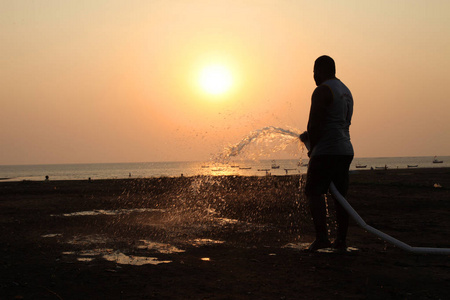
(361, 166)
(287, 170)
(382, 168)
(265, 170)
(274, 165)
(245, 168)
(413, 166)
(437, 161)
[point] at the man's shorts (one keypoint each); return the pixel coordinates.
(324, 169)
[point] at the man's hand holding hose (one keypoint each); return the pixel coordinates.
(304, 137)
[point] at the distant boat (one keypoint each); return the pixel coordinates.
(436, 161)
(380, 168)
(205, 166)
(245, 168)
(287, 170)
(413, 166)
(361, 166)
(265, 170)
(274, 165)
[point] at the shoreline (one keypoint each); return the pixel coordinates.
(172, 169)
(351, 172)
(219, 237)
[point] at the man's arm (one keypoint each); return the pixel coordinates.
(322, 97)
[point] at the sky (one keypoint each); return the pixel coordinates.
(119, 81)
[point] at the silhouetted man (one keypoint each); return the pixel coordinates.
(330, 150)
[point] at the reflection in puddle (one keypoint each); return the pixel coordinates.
(298, 246)
(331, 250)
(224, 221)
(95, 252)
(160, 247)
(176, 221)
(89, 239)
(203, 242)
(85, 259)
(51, 235)
(172, 220)
(123, 259)
(97, 212)
(115, 256)
(305, 246)
(197, 220)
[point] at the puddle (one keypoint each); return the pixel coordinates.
(123, 259)
(95, 252)
(297, 246)
(331, 250)
(98, 212)
(159, 247)
(85, 259)
(305, 246)
(203, 242)
(225, 221)
(115, 256)
(173, 220)
(51, 235)
(89, 239)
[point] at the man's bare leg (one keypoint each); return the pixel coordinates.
(318, 211)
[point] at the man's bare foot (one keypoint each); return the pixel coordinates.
(319, 244)
(339, 245)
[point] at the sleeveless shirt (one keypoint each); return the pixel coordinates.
(335, 133)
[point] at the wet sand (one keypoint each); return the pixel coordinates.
(219, 238)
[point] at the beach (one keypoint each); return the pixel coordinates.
(220, 237)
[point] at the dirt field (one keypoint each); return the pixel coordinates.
(219, 238)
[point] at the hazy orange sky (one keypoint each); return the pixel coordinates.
(118, 81)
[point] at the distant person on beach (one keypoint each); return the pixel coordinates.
(330, 150)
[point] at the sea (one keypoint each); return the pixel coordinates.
(175, 169)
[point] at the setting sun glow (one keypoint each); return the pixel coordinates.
(215, 79)
(169, 80)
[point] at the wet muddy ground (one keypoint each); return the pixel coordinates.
(219, 238)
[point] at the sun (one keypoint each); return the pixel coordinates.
(215, 79)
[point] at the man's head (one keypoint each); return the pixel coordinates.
(324, 69)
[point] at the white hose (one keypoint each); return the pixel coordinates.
(382, 235)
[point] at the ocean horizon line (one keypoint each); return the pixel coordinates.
(260, 167)
(211, 161)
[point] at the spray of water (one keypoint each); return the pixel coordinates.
(198, 210)
(262, 142)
